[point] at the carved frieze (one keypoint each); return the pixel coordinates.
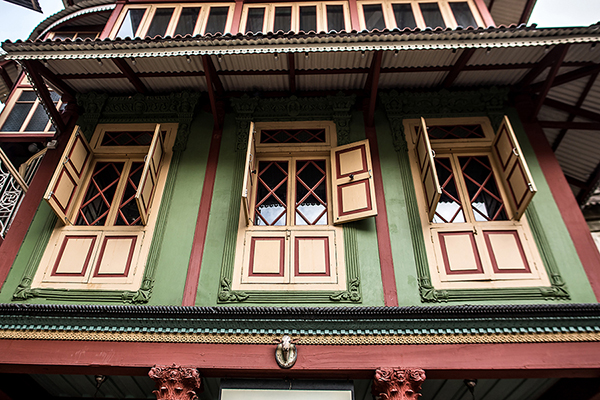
(175, 382)
(397, 383)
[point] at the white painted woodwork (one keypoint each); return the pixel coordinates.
(68, 177)
(428, 172)
(506, 249)
(114, 258)
(267, 256)
(460, 253)
(352, 180)
(149, 178)
(249, 173)
(75, 255)
(515, 175)
(312, 255)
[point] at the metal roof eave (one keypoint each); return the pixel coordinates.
(298, 43)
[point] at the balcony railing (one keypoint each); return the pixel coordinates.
(13, 186)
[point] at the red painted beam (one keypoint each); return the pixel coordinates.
(570, 76)
(541, 66)
(237, 17)
(42, 89)
(458, 67)
(559, 105)
(67, 92)
(563, 196)
(584, 126)
(451, 361)
(6, 78)
(112, 20)
(371, 86)
(354, 21)
(386, 260)
(549, 79)
(209, 87)
(485, 13)
(292, 73)
(130, 74)
(527, 11)
(193, 275)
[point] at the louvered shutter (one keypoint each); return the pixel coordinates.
(427, 170)
(249, 170)
(149, 178)
(66, 181)
(516, 177)
(353, 189)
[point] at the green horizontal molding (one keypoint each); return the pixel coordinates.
(446, 320)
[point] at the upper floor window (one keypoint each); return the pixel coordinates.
(286, 17)
(173, 19)
(25, 114)
(376, 14)
(297, 187)
(62, 35)
(473, 188)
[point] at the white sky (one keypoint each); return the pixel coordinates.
(17, 22)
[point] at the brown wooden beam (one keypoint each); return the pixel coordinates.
(211, 91)
(214, 77)
(559, 105)
(527, 11)
(549, 79)
(372, 85)
(575, 182)
(6, 78)
(583, 126)
(582, 96)
(544, 63)
(54, 80)
(569, 76)
(590, 186)
(292, 74)
(130, 75)
(44, 93)
(458, 67)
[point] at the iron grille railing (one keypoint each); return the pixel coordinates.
(13, 186)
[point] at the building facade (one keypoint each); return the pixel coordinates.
(307, 199)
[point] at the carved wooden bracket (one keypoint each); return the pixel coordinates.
(398, 384)
(175, 382)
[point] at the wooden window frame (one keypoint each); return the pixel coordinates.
(133, 241)
(484, 271)
(201, 22)
(269, 18)
(328, 236)
(10, 104)
(445, 10)
(52, 35)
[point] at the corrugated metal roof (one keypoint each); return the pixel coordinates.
(485, 78)
(413, 80)
(506, 12)
(331, 82)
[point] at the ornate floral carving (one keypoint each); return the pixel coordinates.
(226, 294)
(175, 382)
(398, 384)
(352, 294)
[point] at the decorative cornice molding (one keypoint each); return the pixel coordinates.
(397, 383)
(175, 382)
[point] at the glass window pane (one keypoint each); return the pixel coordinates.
(404, 16)
(432, 15)
(131, 22)
(128, 213)
(283, 19)
(455, 132)
(216, 20)
(335, 18)
(374, 16)
(119, 138)
(17, 116)
(187, 21)
(483, 192)
(160, 22)
(38, 120)
(271, 193)
(256, 18)
(449, 208)
(27, 95)
(99, 194)
(308, 18)
(311, 193)
(462, 14)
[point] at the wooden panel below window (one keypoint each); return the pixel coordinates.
(267, 256)
(460, 253)
(311, 256)
(115, 257)
(74, 256)
(506, 252)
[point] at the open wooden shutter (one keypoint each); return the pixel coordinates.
(249, 169)
(149, 178)
(427, 170)
(516, 177)
(66, 181)
(353, 189)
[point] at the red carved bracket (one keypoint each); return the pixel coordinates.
(175, 382)
(398, 384)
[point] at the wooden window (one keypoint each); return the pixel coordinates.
(297, 187)
(286, 17)
(106, 194)
(401, 14)
(472, 207)
(173, 19)
(62, 35)
(25, 115)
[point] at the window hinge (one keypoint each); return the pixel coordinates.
(145, 157)
(475, 230)
(431, 236)
(66, 160)
(49, 195)
(515, 152)
(433, 153)
(530, 186)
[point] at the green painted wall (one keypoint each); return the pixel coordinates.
(172, 262)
